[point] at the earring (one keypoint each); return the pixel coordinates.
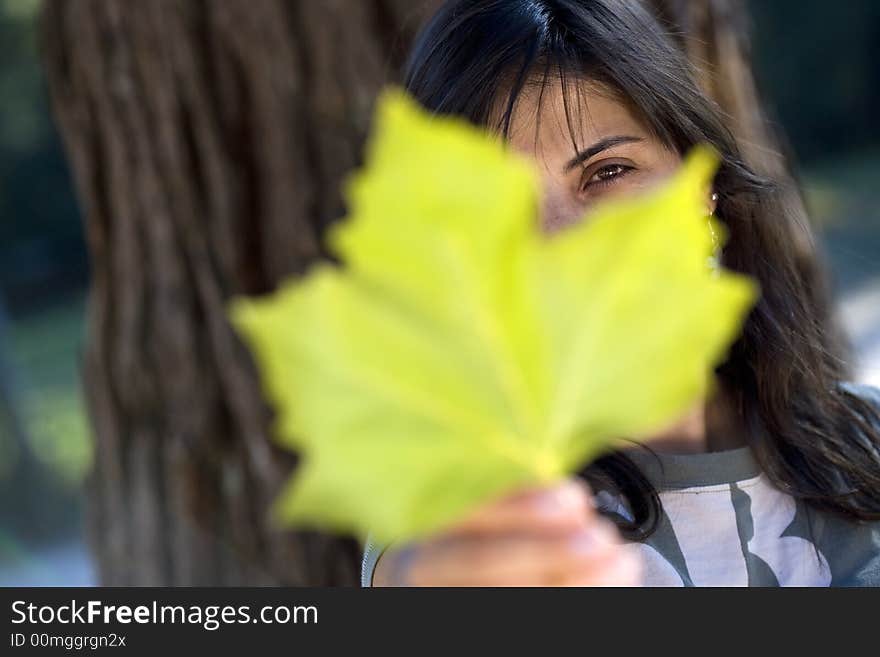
(714, 260)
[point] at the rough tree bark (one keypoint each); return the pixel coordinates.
(207, 141)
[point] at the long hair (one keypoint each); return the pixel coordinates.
(813, 437)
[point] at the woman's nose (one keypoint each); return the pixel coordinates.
(557, 212)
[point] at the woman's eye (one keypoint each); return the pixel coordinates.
(607, 174)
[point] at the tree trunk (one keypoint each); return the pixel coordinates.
(208, 141)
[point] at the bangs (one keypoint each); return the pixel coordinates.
(574, 79)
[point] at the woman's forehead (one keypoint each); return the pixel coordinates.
(558, 118)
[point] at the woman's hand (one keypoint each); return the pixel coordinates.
(545, 537)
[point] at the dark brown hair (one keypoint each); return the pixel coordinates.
(814, 437)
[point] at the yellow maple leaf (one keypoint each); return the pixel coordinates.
(459, 353)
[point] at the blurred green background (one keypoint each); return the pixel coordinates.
(818, 66)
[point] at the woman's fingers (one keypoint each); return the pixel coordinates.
(617, 567)
(564, 507)
(572, 558)
(543, 537)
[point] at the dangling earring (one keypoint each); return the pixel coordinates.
(715, 259)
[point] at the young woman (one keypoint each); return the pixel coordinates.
(773, 481)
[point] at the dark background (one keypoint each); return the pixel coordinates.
(818, 68)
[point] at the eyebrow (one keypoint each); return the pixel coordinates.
(598, 147)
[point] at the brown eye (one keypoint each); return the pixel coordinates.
(607, 174)
(610, 171)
